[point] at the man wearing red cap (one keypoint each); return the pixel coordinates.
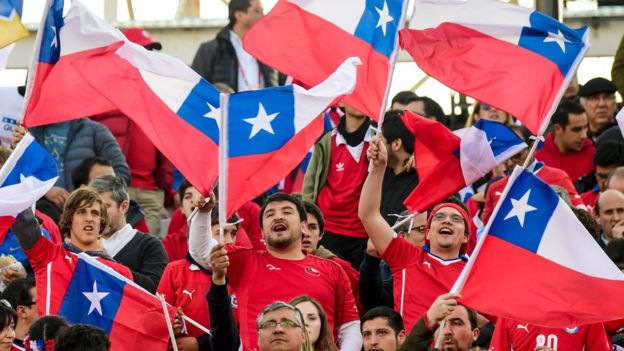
(151, 173)
(420, 274)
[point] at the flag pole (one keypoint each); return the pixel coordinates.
(196, 324)
(168, 321)
(32, 68)
(393, 59)
(223, 164)
(461, 280)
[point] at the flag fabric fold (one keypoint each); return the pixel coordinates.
(26, 176)
(11, 27)
(447, 163)
(84, 66)
(486, 49)
(271, 130)
(554, 273)
(308, 40)
(86, 291)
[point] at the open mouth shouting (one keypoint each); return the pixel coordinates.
(446, 231)
(279, 227)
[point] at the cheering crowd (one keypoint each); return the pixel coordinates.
(316, 263)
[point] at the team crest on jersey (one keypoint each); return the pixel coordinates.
(573, 330)
(312, 271)
(233, 301)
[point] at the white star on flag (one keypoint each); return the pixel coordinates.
(95, 297)
(557, 38)
(214, 113)
(54, 42)
(384, 17)
(520, 208)
(261, 122)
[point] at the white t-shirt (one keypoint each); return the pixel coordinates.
(249, 75)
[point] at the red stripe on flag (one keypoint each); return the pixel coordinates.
(191, 151)
(60, 94)
(309, 48)
(496, 72)
(511, 282)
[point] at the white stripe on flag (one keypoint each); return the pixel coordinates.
(494, 18)
(345, 14)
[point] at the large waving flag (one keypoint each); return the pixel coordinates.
(538, 264)
(487, 49)
(309, 39)
(447, 163)
(83, 66)
(11, 27)
(271, 130)
(86, 291)
(27, 175)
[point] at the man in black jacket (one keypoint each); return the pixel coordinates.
(223, 59)
(142, 253)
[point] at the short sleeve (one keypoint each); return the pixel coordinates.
(400, 254)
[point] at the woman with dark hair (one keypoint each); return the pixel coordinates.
(44, 332)
(7, 325)
(316, 323)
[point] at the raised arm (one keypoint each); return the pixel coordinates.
(200, 234)
(26, 229)
(378, 230)
(225, 335)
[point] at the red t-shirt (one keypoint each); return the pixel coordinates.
(575, 164)
(259, 279)
(185, 285)
(512, 335)
(419, 278)
(340, 197)
(63, 261)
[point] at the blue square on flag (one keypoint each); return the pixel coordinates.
(263, 120)
(93, 297)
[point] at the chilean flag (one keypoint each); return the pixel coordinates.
(86, 291)
(447, 163)
(271, 130)
(538, 263)
(83, 66)
(508, 56)
(27, 175)
(309, 39)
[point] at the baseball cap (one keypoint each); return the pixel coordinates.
(140, 36)
(597, 85)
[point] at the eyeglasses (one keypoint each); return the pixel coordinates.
(455, 218)
(284, 323)
(419, 228)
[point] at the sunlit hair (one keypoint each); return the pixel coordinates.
(78, 199)
(325, 340)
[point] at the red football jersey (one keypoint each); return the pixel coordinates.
(419, 278)
(259, 279)
(340, 196)
(185, 285)
(517, 336)
(45, 252)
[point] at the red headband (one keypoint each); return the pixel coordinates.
(459, 209)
